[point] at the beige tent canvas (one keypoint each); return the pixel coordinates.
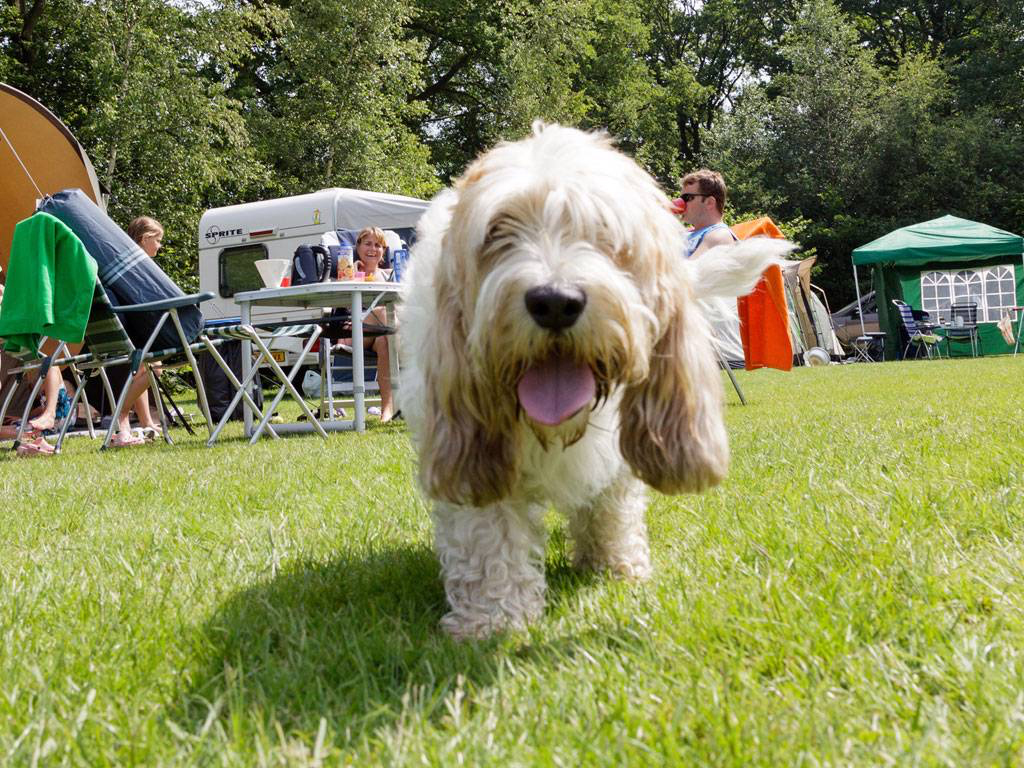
(810, 324)
(38, 156)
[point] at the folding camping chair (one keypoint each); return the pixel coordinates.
(724, 364)
(963, 326)
(342, 329)
(109, 344)
(919, 334)
(35, 360)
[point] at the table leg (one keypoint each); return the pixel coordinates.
(327, 379)
(323, 357)
(358, 372)
(245, 309)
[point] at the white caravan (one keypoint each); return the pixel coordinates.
(233, 238)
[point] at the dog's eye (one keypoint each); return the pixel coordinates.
(495, 230)
(621, 256)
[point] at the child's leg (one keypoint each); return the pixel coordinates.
(141, 406)
(140, 382)
(51, 388)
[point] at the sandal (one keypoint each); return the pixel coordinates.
(117, 441)
(149, 434)
(38, 447)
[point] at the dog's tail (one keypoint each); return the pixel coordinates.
(732, 270)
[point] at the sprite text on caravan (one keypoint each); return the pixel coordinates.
(215, 233)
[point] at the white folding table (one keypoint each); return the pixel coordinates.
(328, 295)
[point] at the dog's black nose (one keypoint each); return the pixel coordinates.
(554, 307)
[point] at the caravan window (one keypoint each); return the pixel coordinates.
(237, 271)
(991, 288)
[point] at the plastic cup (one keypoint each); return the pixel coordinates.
(273, 271)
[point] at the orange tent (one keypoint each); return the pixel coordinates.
(764, 319)
(38, 156)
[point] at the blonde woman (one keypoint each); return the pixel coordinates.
(149, 234)
(370, 246)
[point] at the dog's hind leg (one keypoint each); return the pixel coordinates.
(610, 533)
(492, 561)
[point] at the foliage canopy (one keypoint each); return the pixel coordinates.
(851, 117)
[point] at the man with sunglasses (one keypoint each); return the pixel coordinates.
(701, 206)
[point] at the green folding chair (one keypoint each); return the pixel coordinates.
(108, 344)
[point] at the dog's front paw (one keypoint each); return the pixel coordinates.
(461, 626)
(480, 609)
(635, 567)
(610, 535)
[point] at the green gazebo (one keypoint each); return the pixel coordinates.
(935, 263)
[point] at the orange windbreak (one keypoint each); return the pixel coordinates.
(764, 319)
(754, 227)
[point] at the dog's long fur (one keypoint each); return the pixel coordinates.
(563, 208)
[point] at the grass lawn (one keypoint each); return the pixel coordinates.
(851, 595)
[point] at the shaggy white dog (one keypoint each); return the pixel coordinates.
(554, 354)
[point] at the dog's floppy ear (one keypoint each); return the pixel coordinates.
(672, 433)
(469, 454)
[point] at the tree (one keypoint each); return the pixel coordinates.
(491, 68)
(17, 28)
(978, 43)
(895, 29)
(859, 149)
(625, 95)
(125, 76)
(705, 51)
(326, 97)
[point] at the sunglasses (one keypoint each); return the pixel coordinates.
(690, 195)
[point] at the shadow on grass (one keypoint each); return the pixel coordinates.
(355, 641)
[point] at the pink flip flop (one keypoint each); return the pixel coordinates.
(126, 442)
(38, 447)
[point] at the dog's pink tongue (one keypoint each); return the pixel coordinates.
(554, 390)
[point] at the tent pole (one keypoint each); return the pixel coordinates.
(22, 164)
(1020, 317)
(860, 307)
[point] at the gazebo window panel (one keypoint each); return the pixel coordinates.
(1000, 292)
(936, 293)
(968, 286)
(993, 289)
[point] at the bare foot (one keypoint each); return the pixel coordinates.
(42, 423)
